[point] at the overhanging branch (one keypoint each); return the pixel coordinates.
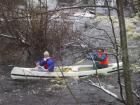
(15, 38)
(67, 8)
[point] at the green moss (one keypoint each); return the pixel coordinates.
(133, 68)
(101, 18)
(98, 14)
(136, 36)
(137, 17)
(129, 29)
(133, 35)
(130, 35)
(130, 25)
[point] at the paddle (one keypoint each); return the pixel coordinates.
(113, 71)
(94, 62)
(80, 61)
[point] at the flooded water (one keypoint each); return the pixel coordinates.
(72, 91)
(58, 91)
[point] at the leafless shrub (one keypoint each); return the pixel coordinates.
(34, 31)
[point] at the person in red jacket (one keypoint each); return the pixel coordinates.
(101, 58)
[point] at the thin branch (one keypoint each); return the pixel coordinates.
(8, 36)
(116, 48)
(98, 38)
(61, 70)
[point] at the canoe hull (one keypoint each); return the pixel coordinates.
(33, 73)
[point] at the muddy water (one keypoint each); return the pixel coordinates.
(50, 92)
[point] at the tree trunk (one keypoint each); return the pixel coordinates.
(125, 58)
(125, 2)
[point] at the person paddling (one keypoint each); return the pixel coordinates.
(100, 57)
(47, 62)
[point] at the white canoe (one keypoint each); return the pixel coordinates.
(76, 71)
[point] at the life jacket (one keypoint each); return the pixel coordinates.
(49, 65)
(46, 66)
(45, 63)
(105, 61)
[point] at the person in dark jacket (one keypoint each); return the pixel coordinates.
(47, 62)
(101, 58)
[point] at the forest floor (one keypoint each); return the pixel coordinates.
(50, 92)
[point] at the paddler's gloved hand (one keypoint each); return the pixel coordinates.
(98, 59)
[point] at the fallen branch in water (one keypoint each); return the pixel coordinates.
(134, 92)
(106, 91)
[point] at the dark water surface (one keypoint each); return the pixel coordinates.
(53, 92)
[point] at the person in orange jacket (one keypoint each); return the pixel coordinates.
(101, 58)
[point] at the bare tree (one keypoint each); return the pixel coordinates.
(125, 57)
(32, 30)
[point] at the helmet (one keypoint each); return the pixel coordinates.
(101, 49)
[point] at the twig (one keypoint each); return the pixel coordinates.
(8, 36)
(77, 101)
(116, 48)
